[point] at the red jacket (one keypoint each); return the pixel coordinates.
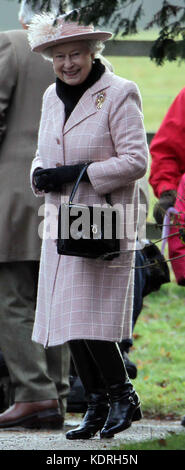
(168, 149)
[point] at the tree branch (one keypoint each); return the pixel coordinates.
(115, 14)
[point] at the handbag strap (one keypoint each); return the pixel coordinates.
(77, 182)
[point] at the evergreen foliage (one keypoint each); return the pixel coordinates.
(123, 17)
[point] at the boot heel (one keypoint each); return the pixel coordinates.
(137, 415)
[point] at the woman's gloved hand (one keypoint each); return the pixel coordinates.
(166, 200)
(51, 179)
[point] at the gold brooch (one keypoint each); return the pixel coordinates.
(100, 99)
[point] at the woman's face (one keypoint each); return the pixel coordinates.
(72, 62)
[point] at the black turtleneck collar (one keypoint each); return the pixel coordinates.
(70, 95)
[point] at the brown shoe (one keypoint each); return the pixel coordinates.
(36, 415)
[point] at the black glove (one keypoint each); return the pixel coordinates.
(166, 200)
(51, 179)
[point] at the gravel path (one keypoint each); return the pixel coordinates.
(19, 439)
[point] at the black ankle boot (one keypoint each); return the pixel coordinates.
(124, 408)
(93, 420)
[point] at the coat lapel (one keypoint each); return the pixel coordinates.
(87, 104)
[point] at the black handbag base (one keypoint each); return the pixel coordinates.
(66, 247)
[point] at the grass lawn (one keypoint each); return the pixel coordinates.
(176, 442)
(158, 85)
(158, 351)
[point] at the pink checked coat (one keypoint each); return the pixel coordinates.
(78, 297)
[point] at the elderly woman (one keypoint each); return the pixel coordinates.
(89, 115)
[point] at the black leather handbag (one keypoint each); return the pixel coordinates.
(88, 231)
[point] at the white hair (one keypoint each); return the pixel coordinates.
(95, 47)
(27, 10)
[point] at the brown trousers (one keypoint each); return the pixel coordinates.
(35, 373)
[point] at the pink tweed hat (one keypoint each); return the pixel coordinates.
(44, 32)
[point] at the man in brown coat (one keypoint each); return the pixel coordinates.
(39, 377)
